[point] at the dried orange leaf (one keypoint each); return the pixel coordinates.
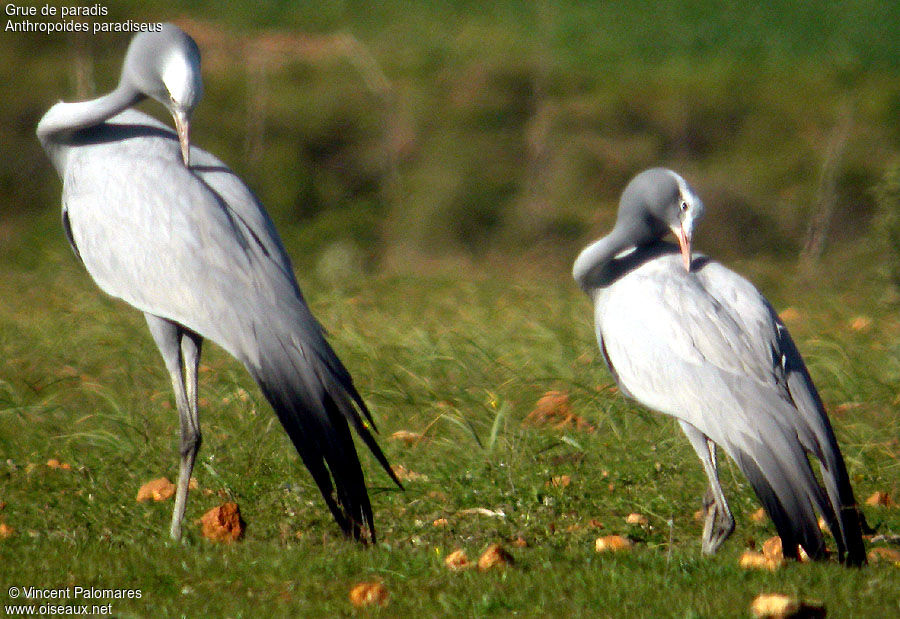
(223, 523)
(780, 606)
(193, 484)
(759, 516)
(440, 522)
(369, 594)
(6, 530)
(638, 519)
(519, 542)
(553, 409)
(612, 543)
(885, 554)
(752, 560)
(404, 474)
(53, 463)
(774, 551)
(407, 437)
(882, 499)
(494, 556)
(772, 605)
(156, 490)
(457, 560)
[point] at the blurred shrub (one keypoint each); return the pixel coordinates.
(493, 128)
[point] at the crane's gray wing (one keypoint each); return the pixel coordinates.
(708, 349)
(197, 249)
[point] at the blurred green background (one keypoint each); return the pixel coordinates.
(397, 135)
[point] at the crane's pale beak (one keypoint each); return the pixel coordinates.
(684, 240)
(183, 128)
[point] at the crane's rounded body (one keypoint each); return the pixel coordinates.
(171, 230)
(692, 339)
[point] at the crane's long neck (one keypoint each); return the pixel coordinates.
(64, 118)
(67, 117)
(590, 267)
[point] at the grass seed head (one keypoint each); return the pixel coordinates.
(406, 437)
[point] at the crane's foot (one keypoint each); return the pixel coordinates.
(718, 524)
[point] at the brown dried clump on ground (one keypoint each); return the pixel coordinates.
(156, 490)
(404, 474)
(553, 409)
(457, 560)
(223, 523)
(880, 499)
(495, 556)
(612, 543)
(637, 519)
(891, 555)
(752, 560)
(780, 606)
(369, 594)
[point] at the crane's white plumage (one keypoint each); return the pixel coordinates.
(181, 75)
(192, 248)
(694, 340)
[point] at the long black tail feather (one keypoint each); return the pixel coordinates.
(315, 404)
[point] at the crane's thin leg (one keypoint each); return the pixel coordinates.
(180, 350)
(718, 523)
(190, 427)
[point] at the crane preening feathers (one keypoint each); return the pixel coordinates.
(687, 337)
(170, 229)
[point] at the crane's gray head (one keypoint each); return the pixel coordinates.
(165, 66)
(657, 201)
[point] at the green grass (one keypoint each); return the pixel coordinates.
(459, 354)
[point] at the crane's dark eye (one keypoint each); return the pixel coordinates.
(684, 207)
